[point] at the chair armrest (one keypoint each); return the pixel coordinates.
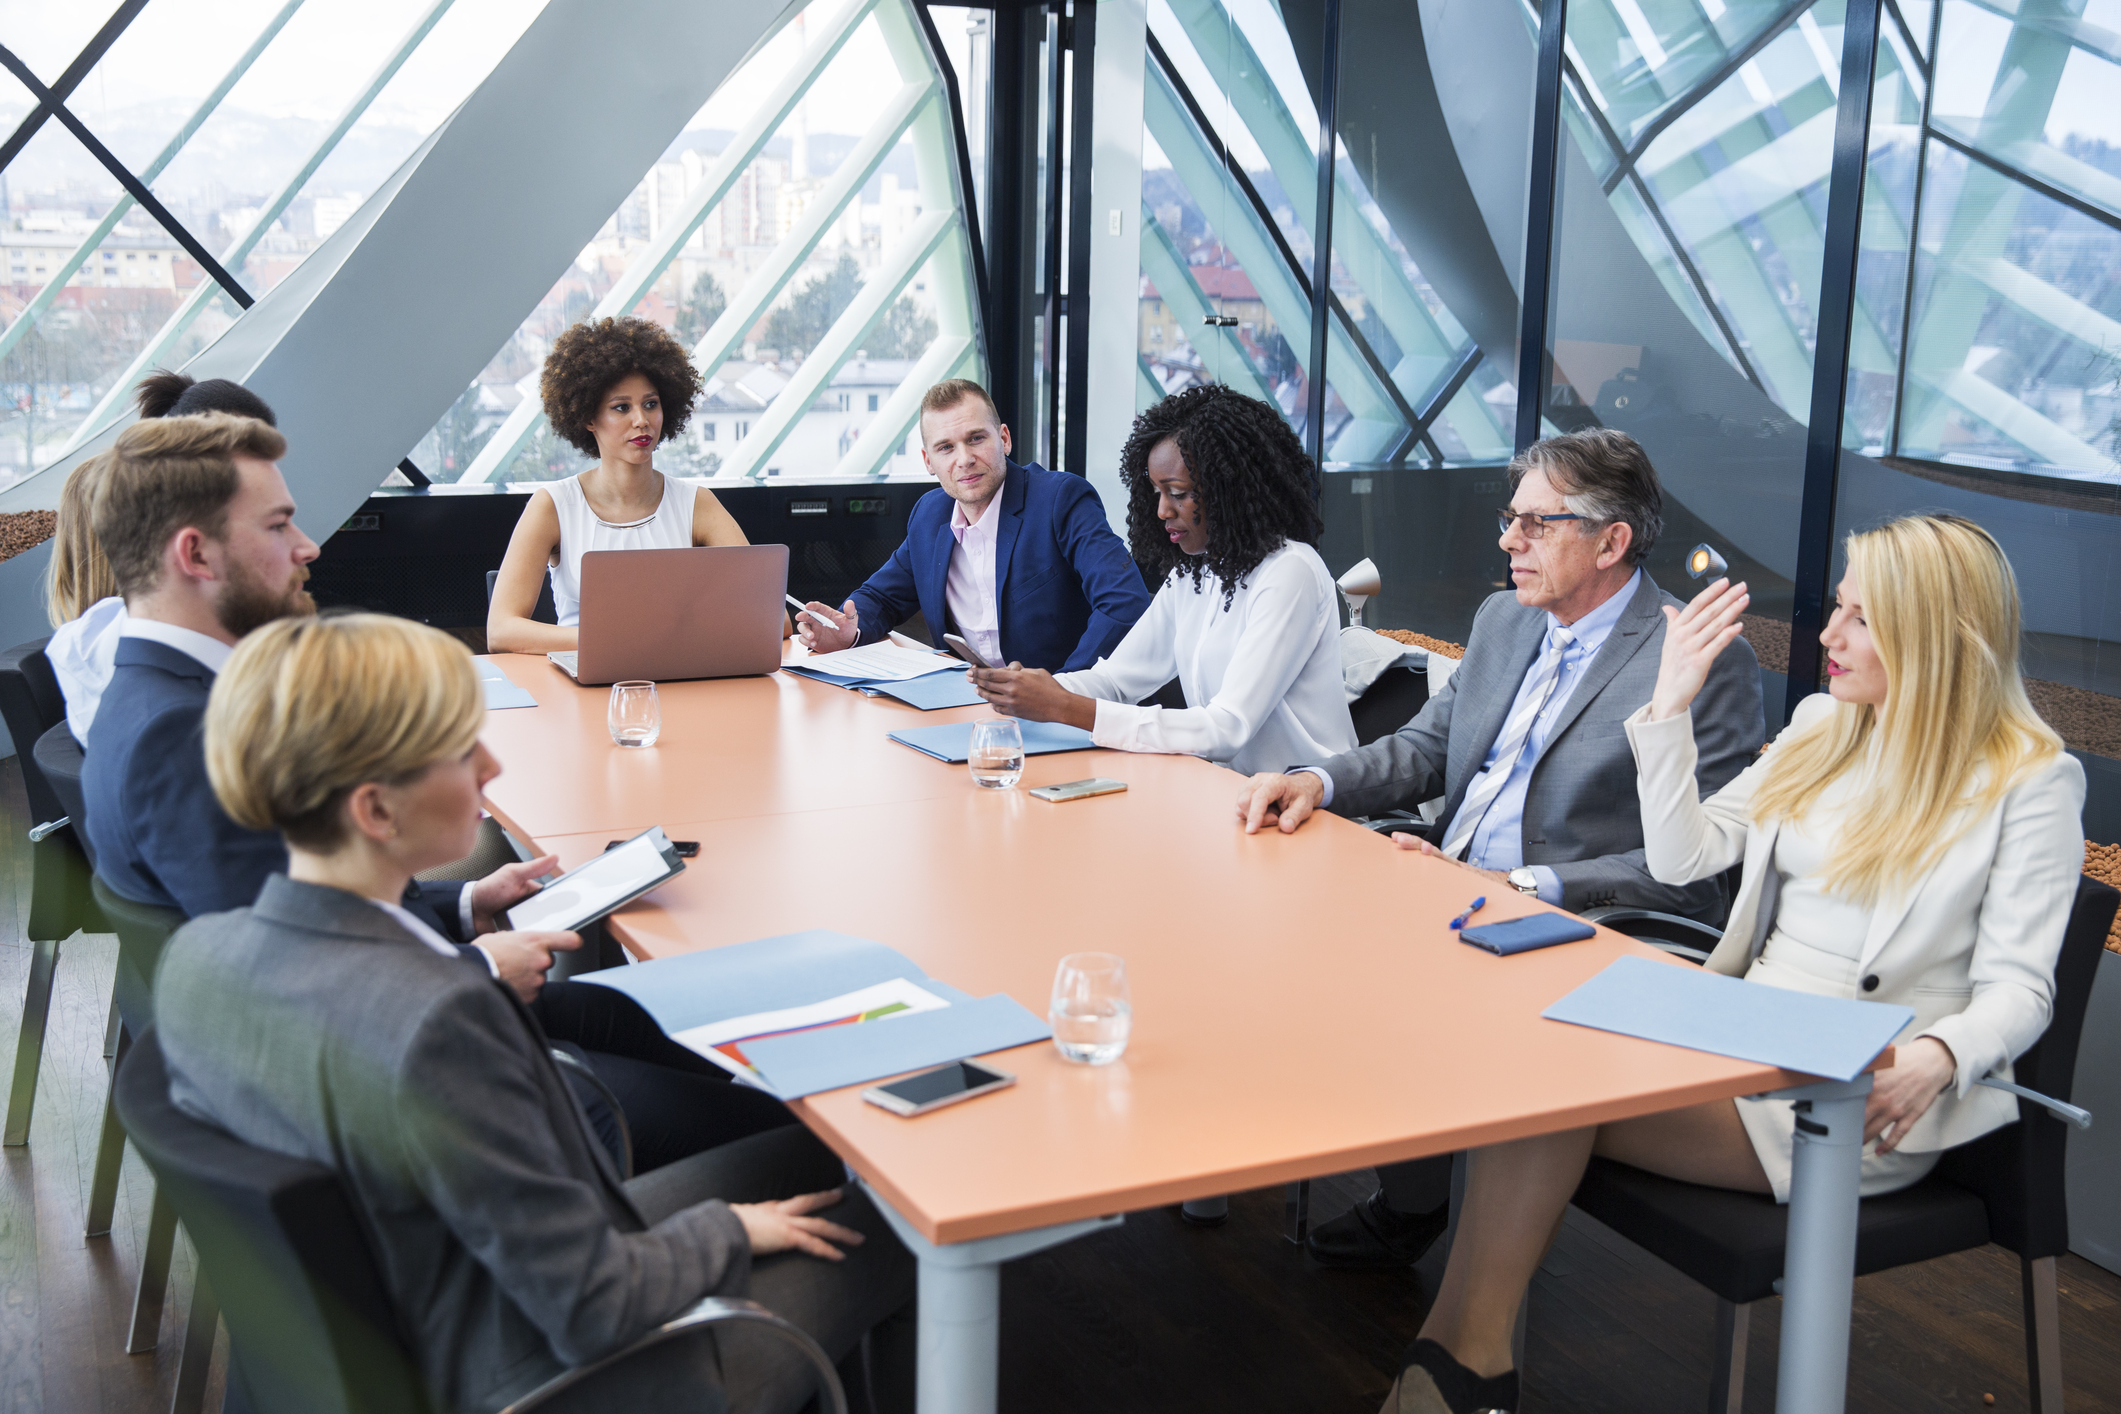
(711, 1311)
(595, 1082)
(2067, 1113)
(1667, 932)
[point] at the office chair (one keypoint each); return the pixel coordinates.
(59, 906)
(544, 611)
(310, 1321)
(2005, 1187)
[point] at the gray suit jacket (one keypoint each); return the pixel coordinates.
(312, 1024)
(1581, 816)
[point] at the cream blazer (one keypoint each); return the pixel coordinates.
(1971, 947)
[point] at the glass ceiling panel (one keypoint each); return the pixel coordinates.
(48, 36)
(1641, 56)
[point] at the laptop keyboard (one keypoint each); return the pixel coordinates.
(568, 662)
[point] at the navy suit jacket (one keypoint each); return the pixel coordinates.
(156, 831)
(1066, 589)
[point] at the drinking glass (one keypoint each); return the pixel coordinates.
(997, 754)
(1092, 1012)
(635, 715)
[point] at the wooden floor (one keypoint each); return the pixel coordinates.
(1151, 1316)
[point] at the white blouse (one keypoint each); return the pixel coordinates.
(670, 528)
(1262, 679)
(83, 653)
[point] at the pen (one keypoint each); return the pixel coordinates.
(819, 619)
(1471, 909)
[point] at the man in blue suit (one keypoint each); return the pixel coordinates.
(1017, 560)
(199, 529)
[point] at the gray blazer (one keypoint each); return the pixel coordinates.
(1581, 818)
(312, 1024)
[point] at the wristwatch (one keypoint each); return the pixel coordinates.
(1524, 881)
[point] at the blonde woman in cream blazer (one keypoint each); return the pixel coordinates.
(1913, 836)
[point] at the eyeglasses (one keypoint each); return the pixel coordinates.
(1531, 524)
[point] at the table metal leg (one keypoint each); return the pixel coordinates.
(960, 1311)
(1819, 1272)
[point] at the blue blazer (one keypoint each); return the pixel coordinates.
(1066, 588)
(157, 834)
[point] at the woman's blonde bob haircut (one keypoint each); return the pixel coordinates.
(310, 708)
(1956, 731)
(79, 575)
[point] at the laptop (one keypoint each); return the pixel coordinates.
(668, 615)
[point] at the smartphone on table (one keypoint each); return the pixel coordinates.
(933, 1089)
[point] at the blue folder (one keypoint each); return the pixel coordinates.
(952, 741)
(500, 689)
(772, 974)
(1727, 1016)
(929, 692)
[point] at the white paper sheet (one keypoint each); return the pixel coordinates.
(897, 997)
(881, 662)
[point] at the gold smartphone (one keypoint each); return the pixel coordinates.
(1079, 790)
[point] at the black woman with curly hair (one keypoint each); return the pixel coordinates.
(615, 389)
(1220, 500)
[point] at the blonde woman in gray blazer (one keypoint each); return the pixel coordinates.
(1913, 836)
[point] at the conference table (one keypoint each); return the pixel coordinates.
(1300, 1005)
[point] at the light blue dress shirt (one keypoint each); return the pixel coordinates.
(1498, 843)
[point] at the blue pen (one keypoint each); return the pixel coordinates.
(1473, 908)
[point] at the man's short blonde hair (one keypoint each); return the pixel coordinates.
(309, 709)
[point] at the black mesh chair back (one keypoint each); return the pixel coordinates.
(2018, 1170)
(31, 705)
(544, 611)
(1390, 703)
(310, 1323)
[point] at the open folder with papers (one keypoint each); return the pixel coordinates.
(817, 1010)
(913, 676)
(500, 689)
(1835, 1037)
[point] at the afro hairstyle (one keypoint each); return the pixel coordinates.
(591, 358)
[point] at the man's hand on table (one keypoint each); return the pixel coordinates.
(1271, 798)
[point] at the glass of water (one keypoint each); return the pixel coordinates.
(635, 715)
(997, 754)
(1092, 1011)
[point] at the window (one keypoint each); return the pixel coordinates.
(782, 245)
(872, 401)
(707, 432)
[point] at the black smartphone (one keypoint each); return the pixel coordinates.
(683, 849)
(932, 1089)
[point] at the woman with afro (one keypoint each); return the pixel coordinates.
(1219, 500)
(615, 388)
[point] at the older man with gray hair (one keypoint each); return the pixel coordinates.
(1526, 747)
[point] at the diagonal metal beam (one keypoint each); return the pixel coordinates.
(526, 417)
(45, 297)
(49, 102)
(131, 183)
(950, 356)
(113, 401)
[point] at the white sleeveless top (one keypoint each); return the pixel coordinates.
(670, 528)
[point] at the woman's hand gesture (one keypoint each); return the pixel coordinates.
(1693, 636)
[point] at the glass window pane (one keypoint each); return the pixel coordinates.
(49, 37)
(2037, 95)
(828, 221)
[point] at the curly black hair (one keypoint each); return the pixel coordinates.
(590, 358)
(1257, 489)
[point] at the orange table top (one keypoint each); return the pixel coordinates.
(1300, 1007)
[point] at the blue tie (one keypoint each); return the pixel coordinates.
(1510, 744)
